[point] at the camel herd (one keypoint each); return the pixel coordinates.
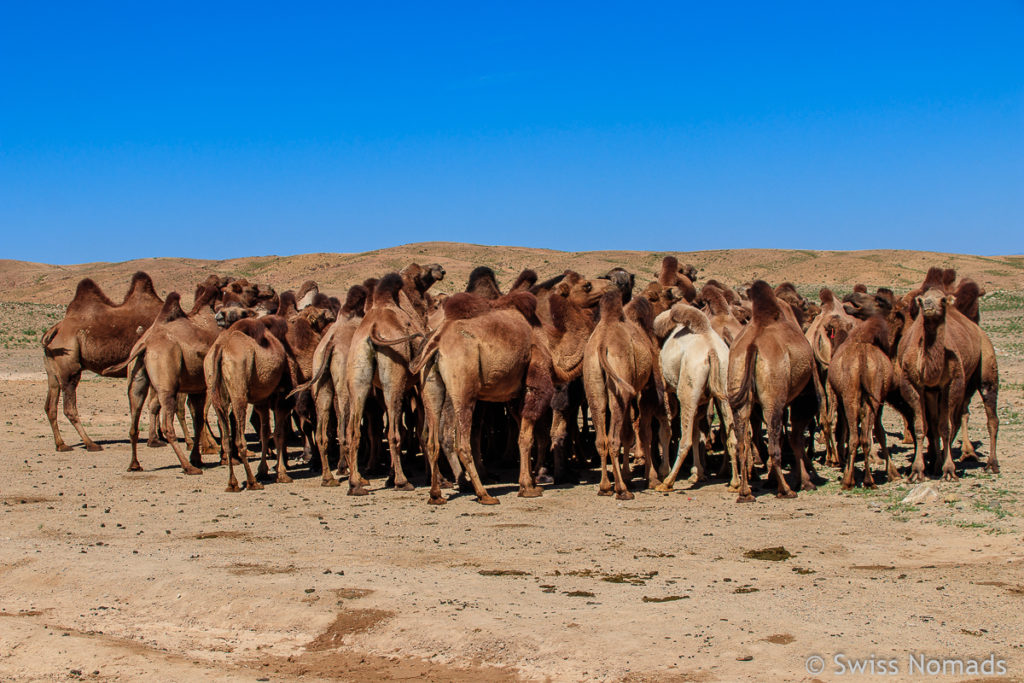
(557, 373)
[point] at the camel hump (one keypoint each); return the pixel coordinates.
(387, 289)
(171, 310)
(253, 328)
(827, 297)
(287, 303)
(611, 305)
(766, 307)
(967, 295)
(463, 305)
(669, 271)
(88, 295)
(640, 311)
(934, 278)
(526, 280)
(688, 316)
(522, 301)
(355, 300)
(483, 282)
(141, 286)
(859, 288)
(307, 287)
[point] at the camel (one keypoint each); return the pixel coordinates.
(486, 351)
(860, 374)
(94, 334)
(943, 359)
(819, 334)
(720, 312)
(771, 363)
(681, 277)
(623, 279)
(382, 347)
(619, 366)
(169, 358)
(247, 365)
(695, 363)
(416, 280)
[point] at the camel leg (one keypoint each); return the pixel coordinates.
(138, 387)
(616, 425)
(359, 386)
(801, 413)
(891, 473)
(851, 411)
(154, 440)
(728, 421)
(182, 422)
(238, 410)
(52, 398)
(598, 402)
(71, 411)
(688, 397)
(744, 454)
(699, 453)
(463, 427)
(324, 401)
(989, 396)
(230, 451)
(967, 451)
(866, 429)
(197, 407)
(280, 419)
(262, 413)
(392, 376)
(645, 438)
(542, 436)
(432, 403)
(168, 413)
(773, 417)
(916, 402)
(527, 487)
(946, 419)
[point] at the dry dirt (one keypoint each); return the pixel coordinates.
(111, 575)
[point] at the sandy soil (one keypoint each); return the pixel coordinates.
(110, 575)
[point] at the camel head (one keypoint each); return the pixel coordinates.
(317, 317)
(622, 279)
(933, 304)
(863, 305)
(836, 328)
(434, 273)
(689, 271)
(579, 291)
(227, 316)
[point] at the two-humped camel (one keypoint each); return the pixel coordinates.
(695, 364)
(621, 371)
(94, 334)
(248, 365)
(771, 364)
(820, 334)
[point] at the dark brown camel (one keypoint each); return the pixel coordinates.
(95, 334)
(771, 364)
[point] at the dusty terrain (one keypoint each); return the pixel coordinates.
(111, 575)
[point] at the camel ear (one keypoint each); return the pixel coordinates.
(918, 301)
(951, 300)
(562, 290)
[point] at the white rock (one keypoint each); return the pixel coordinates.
(922, 494)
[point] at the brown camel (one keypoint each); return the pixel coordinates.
(680, 276)
(416, 280)
(820, 333)
(94, 334)
(169, 358)
(486, 351)
(860, 374)
(943, 359)
(720, 312)
(771, 364)
(619, 366)
(247, 365)
(382, 346)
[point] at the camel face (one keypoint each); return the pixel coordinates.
(229, 315)
(933, 303)
(436, 272)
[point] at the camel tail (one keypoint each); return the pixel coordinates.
(426, 354)
(624, 388)
(742, 394)
(138, 351)
(215, 378)
(380, 341)
(49, 335)
(715, 379)
(318, 373)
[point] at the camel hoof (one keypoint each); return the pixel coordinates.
(63, 448)
(950, 476)
(93, 447)
(604, 492)
(532, 492)
(625, 495)
(808, 487)
(330, 482)
(135, 467)
(440, 500)
(407, 486)
(233, 488)
(545, 479)
(445, 484)
(487, 500)
(156, 443)
(994, 469)
(283, 478)
(255, 486)
(663, 488)
(363, 481)
(357, 491)
(192, 470)
(847, 485)
(749, 498)
(791, 494)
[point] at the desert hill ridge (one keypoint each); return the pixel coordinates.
(335, 272)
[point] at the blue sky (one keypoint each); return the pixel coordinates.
(218, 129)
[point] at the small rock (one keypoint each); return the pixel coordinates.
(922, 494)
(951, 498)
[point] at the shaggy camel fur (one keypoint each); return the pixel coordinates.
(720, 312)
(95, 334)
(623, 279)
(416, 280)
(382, 347)
(485, 351)
(169, 358)
(771, 363)
(695, 362)
(943, 359)
(860, 374)
(680, 276)
(619, 365)
(247, 365)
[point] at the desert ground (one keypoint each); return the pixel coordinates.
(116, 575)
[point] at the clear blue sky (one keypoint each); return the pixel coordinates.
(218, 129)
